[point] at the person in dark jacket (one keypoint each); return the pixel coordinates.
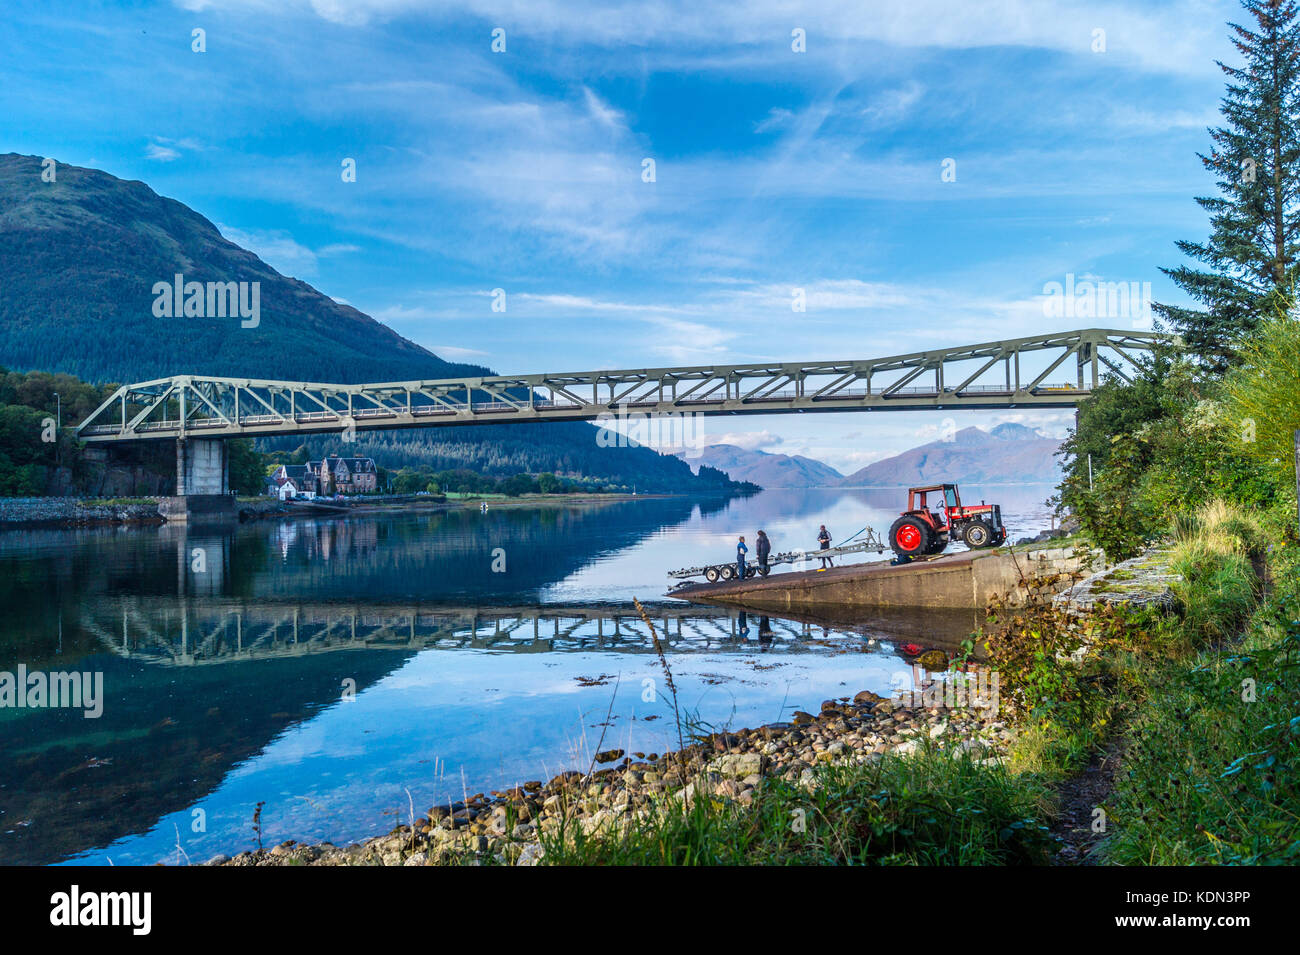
(763, 548)
(824, 540)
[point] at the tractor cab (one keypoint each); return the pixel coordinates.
(921, 530)
(944, 496)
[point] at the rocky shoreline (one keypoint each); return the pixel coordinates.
(503, 827)
(24, 512)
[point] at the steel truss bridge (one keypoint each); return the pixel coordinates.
(1015, 373)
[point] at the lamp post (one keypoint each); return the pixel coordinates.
(58, 425)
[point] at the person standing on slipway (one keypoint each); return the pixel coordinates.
(762, 549)
(824, 541)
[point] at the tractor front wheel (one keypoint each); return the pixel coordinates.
(910, 537)
(977, 535)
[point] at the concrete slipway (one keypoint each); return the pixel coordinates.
(968, 581)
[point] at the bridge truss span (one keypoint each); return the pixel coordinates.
(1055, 370)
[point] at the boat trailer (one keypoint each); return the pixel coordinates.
(716, 572)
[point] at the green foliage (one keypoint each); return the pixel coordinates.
(37, 389)
(28, 411)
(24, 457)
(932, 808)
(410, 480)
(1113, 511)
(247, 470)
(1219, 589)
(1058, 679)
(1212, 772)
(518, 484)
(1162, 446)
(1263, 397)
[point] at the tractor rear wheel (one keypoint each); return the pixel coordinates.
(910, 537)
(977, 534)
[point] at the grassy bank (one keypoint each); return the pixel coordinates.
(1212, 773)
(1201, 704)
(936, 807)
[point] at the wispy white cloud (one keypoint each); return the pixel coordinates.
(276, 248)
(601, 111)
(457, 352)
(748, 440)
(892, 105)
(160, 153)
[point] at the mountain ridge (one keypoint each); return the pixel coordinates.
(763, 468)
(1007, 452)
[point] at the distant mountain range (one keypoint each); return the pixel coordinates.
(79, 261)
(763, 468)
(1009, 453)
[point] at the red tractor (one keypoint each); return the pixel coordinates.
(920, 531)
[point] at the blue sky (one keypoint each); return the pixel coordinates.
(775, 169)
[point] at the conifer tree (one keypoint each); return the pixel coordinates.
(1252, 257)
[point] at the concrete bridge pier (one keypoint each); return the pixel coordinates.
(201, 467)
(202, 483)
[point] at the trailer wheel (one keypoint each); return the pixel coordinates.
(728, 572)
(910, 537)
(977, 534)
(711, 574)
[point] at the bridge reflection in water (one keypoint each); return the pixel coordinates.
(190, 632)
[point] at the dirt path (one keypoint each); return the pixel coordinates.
(1079, 797)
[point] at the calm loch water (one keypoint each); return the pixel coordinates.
(341, 671)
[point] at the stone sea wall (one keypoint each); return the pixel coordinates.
(1144, 581)
(69, 511)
